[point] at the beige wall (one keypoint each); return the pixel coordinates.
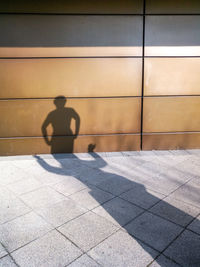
(171, 113)
(112, 62)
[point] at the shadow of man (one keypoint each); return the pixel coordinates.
(129, 204)
(62, 139)
(132, 207)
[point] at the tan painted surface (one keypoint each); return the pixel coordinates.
(96, 61)
(172, 76)
(85, 77)
(171, 141)
(97, 116)
(171, 114)
(25, 146)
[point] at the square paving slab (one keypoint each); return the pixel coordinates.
(88, 230)
(45, 196)
(84, 261)
(153, 230)
(7, 262)
(113, 252)
(91, 197)
(53, 250)
(185, 249)
(118, 211)
(61, 212)
(22, 230)
(176, 211)
(195, 225)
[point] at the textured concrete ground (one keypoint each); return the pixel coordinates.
(105, 209)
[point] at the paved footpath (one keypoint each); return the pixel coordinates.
(101, 209)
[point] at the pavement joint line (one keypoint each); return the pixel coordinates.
(115, 231)
(140, 240)
(106, 191)
(8, 221)
(100, 204)
(173, 167)
(55, 228)
(36, 189)
(161, 254)
(67, 196)
(18, 195)
(4, 249)
(94, 260)
(104, 217)
(185, 160)
(33, 209)
(192, 230)
(11, 258)
(86, 251)
(166, 219)
(185, 227)
(31, 241)
(172, 242)
(120, 226)
(69, 220)
(183, 200)
(66, 237)
(80, 257)
(106, 201)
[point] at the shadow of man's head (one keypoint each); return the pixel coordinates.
(60, 101)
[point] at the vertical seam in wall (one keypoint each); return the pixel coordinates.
(142, 89)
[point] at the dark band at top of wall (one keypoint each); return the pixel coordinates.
(173, 7)
(72, 6)
(100, 6)
(76, 31)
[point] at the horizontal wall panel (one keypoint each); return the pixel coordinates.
(26, 146)
(172, 36)
(171, 114)
(173, 7)
(172, 76)
(97, 51)
(85, 77)
(61, 31)
(97, 116)
(73, 6)
(166, 141)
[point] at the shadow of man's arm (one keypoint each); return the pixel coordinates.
(76, 117)
(44, 130)
(48, 167)
(96, 157)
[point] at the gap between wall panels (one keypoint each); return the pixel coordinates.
(142, 93)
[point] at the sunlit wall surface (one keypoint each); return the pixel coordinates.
(171, 107)
(129, 71)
